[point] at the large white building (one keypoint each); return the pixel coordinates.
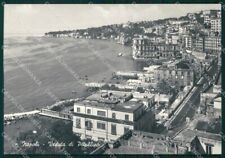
(188, 41)
(216, 25)
(212, 44)
(105, 116)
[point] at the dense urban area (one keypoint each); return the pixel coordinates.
(171, 106)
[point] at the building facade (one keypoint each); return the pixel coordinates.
(188, 42)
(212, 44)
(105, 117)
(144, 48)
(175, 74)
(198, 44)
(216, 25)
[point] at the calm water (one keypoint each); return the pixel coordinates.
(37, 71)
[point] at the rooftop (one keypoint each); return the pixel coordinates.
(176, 64)
(182, 65)
(129, 106)
(143, 143)
(109, 96)
(188, 135)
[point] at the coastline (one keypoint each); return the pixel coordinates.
(62, 84)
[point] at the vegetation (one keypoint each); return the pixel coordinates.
(115, 30)
(212, 126)
(58, 132)
(164, 87)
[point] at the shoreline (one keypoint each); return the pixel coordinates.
(42, 65)
(8, 118)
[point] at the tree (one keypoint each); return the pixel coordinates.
(164, 87)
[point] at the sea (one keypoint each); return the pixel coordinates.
(38, 71)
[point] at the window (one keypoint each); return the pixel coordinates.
(89, 111)
(113, 129)
(126, 129)
(88, 125)
(113, 115)
(78, 109)
(101, 125)
(101, 113)
(78, 123)
(209, 148)
(127, 117)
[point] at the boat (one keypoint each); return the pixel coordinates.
(120, 54)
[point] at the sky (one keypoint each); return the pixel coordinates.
(36, 19)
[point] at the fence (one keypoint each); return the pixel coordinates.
(55, 114)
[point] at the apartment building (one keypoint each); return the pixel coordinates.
(198, 44)
(187, 41)
(212, 44)
(172, 38)
(105, 116)
(210, 102)
(180, 74)
(206, 143)
(216, 25)
(144, 48)
(206, 19)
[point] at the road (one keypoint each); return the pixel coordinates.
(192, 100)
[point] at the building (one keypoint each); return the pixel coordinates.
(213, 107)
(206, 143)
(95, 84)
(205, 99)
(132, 75)
(216, 25)
(124, 39)
(212, 44)
(148, 30)
(198, 44)
(162, 115)
(148, 99)
(206, 19)
(187, 142)
(210, 102)
(172, 38)
(191, 16)
(145, 48)
(218, 14)
(206, 12)
(159, 30)
(164, 99)
(187, 41)
(180, 74)
(105, 116)
(138, 142)
(217, 104)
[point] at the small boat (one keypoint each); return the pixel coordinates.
(120, 54)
